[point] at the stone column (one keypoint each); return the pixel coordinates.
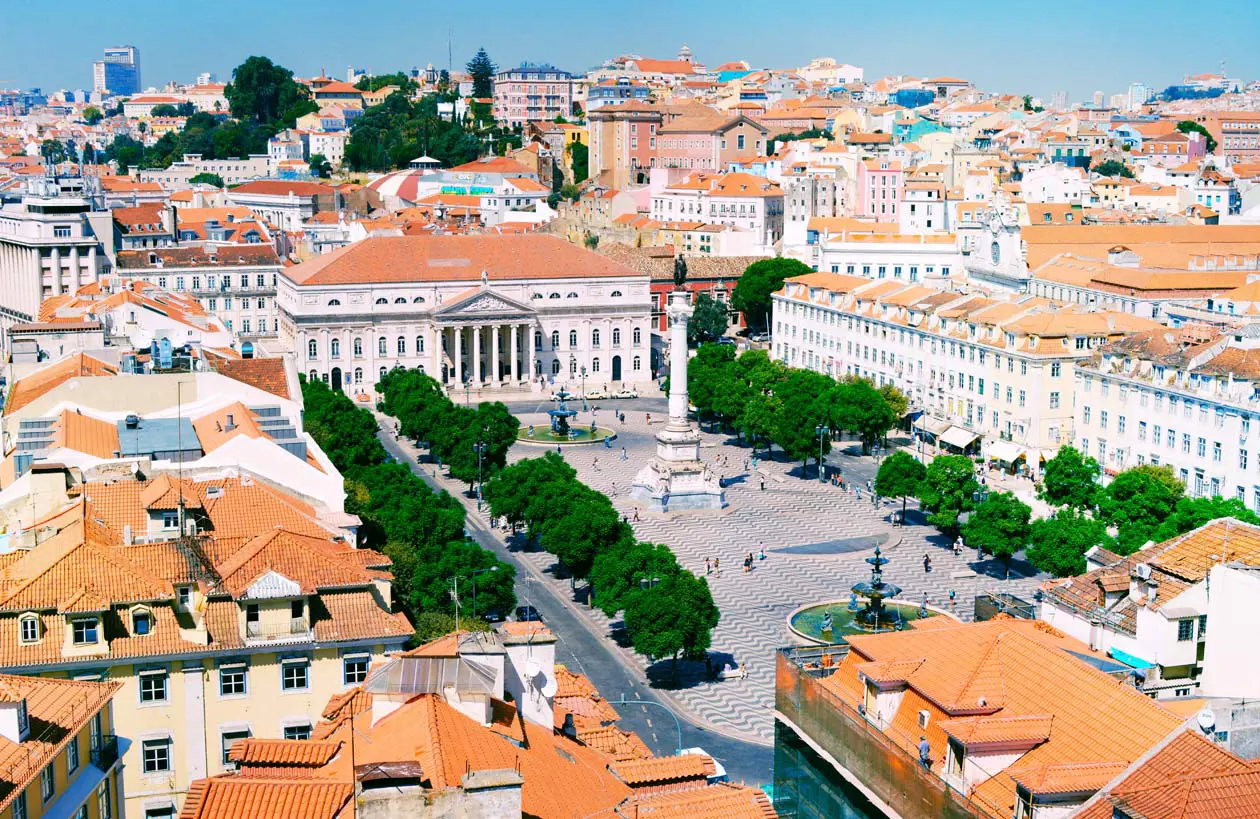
(679, 310)
(529, 351)
(516, 356)
(435, 352)
(458, 358)
(54, 261)
(74, 270)
(495, 370)
(476, 355)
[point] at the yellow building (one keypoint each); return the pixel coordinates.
(220, 608)
(59, 756)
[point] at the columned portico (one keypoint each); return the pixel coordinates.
(483, 364)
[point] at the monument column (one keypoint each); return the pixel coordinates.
(679, 310)
(516, 354)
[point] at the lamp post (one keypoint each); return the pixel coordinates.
(474, 584)
(820, 432)
(583, 372)
(677, 722)
(480, 449)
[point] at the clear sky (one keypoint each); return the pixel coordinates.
(1009, 46)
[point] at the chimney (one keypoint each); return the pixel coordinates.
(569, 729)
(231, 423)
(15, 722)
(126, 534)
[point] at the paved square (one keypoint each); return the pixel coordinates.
(816, 538)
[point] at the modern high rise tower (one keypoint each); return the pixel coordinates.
(119, 72)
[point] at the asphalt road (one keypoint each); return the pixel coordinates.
(583, 651)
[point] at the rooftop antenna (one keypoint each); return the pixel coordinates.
(450, 61)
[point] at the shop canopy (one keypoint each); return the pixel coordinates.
(958, 437)
(1005, 451)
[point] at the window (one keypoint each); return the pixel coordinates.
(1185, 630)
(295, 674)
(594, 365)
(72, 755)
(1202, 626)
(312, 349)
(233, 679)
(594, 338)
(419, 345)
(555, 339)
(401, 345)
(1085, 415)
(24, 718)
(400, 300)
(297, 731)
(358, 375)
(636, 337)
(29, 627)
(19, 807)
(334, 302)
(153, 685)
(104, 806)
(573, 338)
(1056, 369)
(616, 336)
(141, 622)
(230, 738)
(380, 346)
(334, 348)
(157, 755)
(61, 231)
(85, 631)
(616, 294)
(48, 783)
(354, 668)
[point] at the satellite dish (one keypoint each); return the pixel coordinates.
(549, 688)
(1207, 720)
(531, 669)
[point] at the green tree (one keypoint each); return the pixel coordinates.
(1191, 127)
(434, 569)
(1113, 167)
(591, 241)
(207, 179)
(946, 490)
(897, 400)
(1058, 544)
(856, 406)
(1137, 501)
(899, 476)
(1070, 479)
(164, 110)
(709, 373)
(510, 492)
(760, 418)
(397, 131)
(52, 151)
(579, 159)
(482, 70)
(570, 192)
(758, 282)
(92, 115)
(266, 93)
(709, 321)
(999, 525)
(584, 524)
(803, 408)
(616, 573)
(320, 166)
(126, 151)
(400, 79)
(1191, 513)
(673, 618)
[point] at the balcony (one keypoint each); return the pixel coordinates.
(105, 752)
(294, 630)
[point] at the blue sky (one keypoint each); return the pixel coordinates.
(1016, 46)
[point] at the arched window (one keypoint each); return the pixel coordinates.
(538, 339)
(616, 336)
(418, 300)
(419, 345)
(555, 366)
(538, 295)
(573, 338)
(594, 365)
(637, 364)
(554, 296)
(141, 622)
(572, 366)
(312, 376)
(571, 295)
(380, 346)
(323, 377)
(400, 300)
(28, 628)
(637, 337)
(555, 339)
(616, 294)
(382, 372)
(312, 349)
(382, 301)
(358, 348)
(334, 348)
(358, 375)
(594, 338)
(402, 345)
(334, 302)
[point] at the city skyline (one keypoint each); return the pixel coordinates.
(1013, 64)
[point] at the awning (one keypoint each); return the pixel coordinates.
(1005, 451)
(932, 426)
(1128, 659)
(958, 437)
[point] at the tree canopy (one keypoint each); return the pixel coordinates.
(399, 78)
(999, 525)
(579, 158)
(398, 130)
(899, 476)
(1113, 167)
(266, 94)
(1070, 479)
(758, 282)
(482, 70)
(320, 166)
(1191, 513)
(92, 115)
(617, 575)
(1188, 126)
(946, 490)
(1058, 544)
(855, 405)
(207, 179)
(709, 321)
(675, 617)
(803, 410)
(1137, 501)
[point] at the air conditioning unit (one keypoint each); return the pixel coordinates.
(1142, 571)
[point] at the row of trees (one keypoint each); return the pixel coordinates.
(668, 611)
(398, 130)
(774, 405)
(422, 531)
(1145, 503)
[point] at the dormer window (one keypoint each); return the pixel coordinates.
(86, 631)
(28, 628)
(141, 622)
(23, 719)
(184, 595)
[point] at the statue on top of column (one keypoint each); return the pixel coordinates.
(680, 273)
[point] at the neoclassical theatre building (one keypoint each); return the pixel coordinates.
(488, 311)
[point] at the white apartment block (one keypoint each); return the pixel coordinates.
(1185, 398)
(879, 251)
(738, 200)
(996, 371)
(233, 171)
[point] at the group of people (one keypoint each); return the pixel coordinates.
(713, 565)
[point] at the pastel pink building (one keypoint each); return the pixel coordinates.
(1172, 150)
(880, 182)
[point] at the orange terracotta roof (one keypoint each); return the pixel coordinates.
(44, 380)
(231, 797)
(255, 751)
(267, 374)
(282, 187)
(723, 800)
(654, 771)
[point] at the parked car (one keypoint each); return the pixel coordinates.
(626, 393)
(562, 395)
(528, 614)
(597, 395)
(759, 336)
(726, 340)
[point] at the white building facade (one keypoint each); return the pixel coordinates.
(485, 312)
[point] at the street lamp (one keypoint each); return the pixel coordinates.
(820, 432)
(480, 449)
(583, 371)
(476, 572)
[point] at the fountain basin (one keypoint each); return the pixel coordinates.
(806, 621)
(581, 435)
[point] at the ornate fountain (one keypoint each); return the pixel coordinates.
(872, 616)
(560, 416)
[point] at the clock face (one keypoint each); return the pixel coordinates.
(996, 252)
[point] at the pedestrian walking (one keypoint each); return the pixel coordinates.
(925, 753)
(708, 566)
(624, 456)
(558, 452)
(636, 514)
(648, 417)
(595, 464)
(858, 489)
(869, 486)
(927, 563)
(761, 551)
(745, 464)
(951, 599)
(763, 483)
(717, 566)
